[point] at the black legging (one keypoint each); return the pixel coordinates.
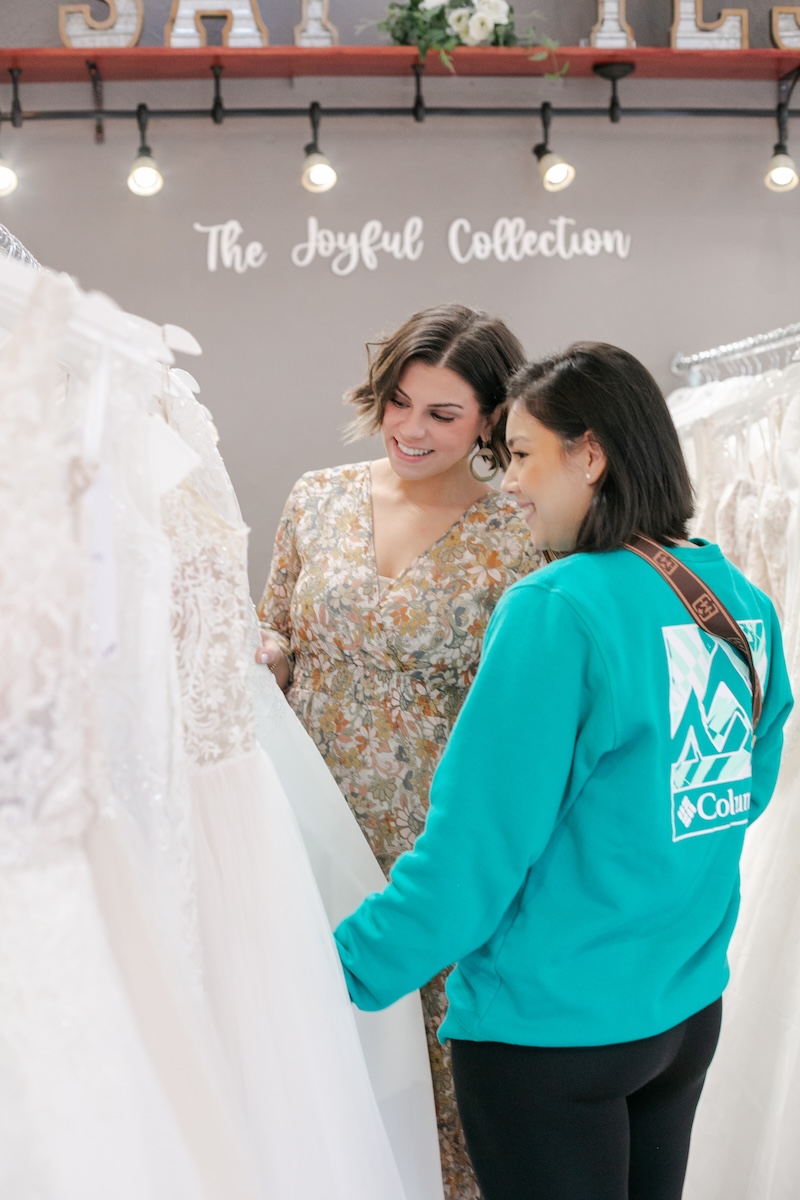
(588, 1122)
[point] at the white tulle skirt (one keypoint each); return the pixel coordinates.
(106, 1089)
(277, 992)
(345, 869)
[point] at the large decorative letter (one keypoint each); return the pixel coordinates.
(612, 31)
(785, 27)
(690, 32)
(122, 26)
(315, 28)
(243, 24)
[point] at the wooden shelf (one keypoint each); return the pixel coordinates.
(62, 65)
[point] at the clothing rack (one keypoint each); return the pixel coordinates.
(746, 354)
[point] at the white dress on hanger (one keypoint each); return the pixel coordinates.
(269, 964)
(105, 1090)
(313, 1033)
(745, 1142)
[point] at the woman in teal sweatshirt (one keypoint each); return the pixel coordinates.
(580, 861)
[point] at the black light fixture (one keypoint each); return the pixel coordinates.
(318, 173)
(144, 179)
(555, 171)
(613, 72)
(782, 175)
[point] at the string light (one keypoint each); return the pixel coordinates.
(555, 171)
(781, 173)
(145, 179)
(8, 178)
(318, 173)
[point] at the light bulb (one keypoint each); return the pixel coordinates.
(318, 174)
(557, 175)
(555, 172)
(781, 174)
(8, 178)
(145, 178)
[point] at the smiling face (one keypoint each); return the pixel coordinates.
(431, 424)
(549, 480)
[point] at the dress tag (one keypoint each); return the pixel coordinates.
(171, 459)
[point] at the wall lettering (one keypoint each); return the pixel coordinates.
(691, 32)
(315, 28)
(224, 250)
(785, 27)
(612, 31)
(510, 240)
(350, 250)
(243, 24)
(122, 27)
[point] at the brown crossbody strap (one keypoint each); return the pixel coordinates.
(707, 610)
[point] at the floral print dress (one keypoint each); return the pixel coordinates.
(381, 669)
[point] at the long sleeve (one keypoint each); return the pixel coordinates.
(274, 609)
(526, 729)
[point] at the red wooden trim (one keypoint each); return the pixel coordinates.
(62, 65)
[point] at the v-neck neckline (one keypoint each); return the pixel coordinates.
(393, 580)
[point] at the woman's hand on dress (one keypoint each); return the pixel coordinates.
(270, 655)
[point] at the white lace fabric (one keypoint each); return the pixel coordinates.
(284, 1015)
(210, 600)
(44, 801)
(209, 627)
(89, 1104)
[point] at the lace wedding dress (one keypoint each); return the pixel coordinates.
(106, 1089)
(270, 967)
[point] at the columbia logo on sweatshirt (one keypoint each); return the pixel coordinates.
(711, 728)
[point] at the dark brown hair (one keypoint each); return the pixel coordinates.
(482, 350)
(599, 388)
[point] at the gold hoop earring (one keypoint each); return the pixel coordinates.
(485, 452)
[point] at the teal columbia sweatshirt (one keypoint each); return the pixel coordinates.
(580, 861)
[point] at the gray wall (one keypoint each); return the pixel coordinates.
(713, 255)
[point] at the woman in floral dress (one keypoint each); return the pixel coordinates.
(382, 582)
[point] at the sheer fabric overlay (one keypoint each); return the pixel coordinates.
(743, 437)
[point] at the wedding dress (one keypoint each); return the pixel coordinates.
(270, 968)
(744, 1143)
(344, 868)
(106, 1088)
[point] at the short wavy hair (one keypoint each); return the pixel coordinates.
(481, 349)
(595, 387)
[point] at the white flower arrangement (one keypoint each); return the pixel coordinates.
(444, 24)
